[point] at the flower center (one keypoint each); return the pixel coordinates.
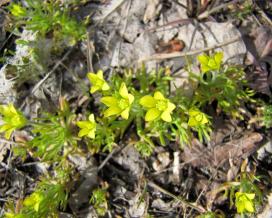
(99, 82)
(123, 104)
(91, 126)
(161, 105)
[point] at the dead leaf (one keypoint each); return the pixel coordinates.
(199, 155)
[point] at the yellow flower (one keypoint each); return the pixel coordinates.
(34, 200)
(17, 10)
(98, 82)
(209, 63)
(120, 104)
(244, 202)
(88, 127)
(197, 118)
(12, 119)
(157, 107)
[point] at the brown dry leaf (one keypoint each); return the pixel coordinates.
(199, 155)
(262, 42)
(259, 55)
(236, 149)
(171, 46)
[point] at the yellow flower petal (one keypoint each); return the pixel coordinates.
(91, 134)
(123, 91)
(83, 132)
(152, 114)
(158, 96)
(81, 124)
(125, 114)
(249, 206)
(113, 110)
(100, 74)
(166, 116)
(170, 107)
(203, 59)
(5, 127)
(105, 86)
(109, 101)
(91, 118)
(12, 109)
(218, 57)
(92, 77)
(94, 89)
(251, 196)
(8, 133)
(148, 101)
(130, 98)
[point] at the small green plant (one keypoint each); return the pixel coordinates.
(99, 201)
(53, 136)
(267, 116)
(243, 193)
(48, 17)
(49, 196)
(223, 85)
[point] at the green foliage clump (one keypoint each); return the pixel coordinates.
(223, 85)
(267, 116)
(47, 17)
(99, 201)
(44, 202)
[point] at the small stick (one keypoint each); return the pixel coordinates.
(90, 51)
(184, 202)
(189, 53)
(107, 159)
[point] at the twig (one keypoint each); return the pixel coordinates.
(189, 53)
(51, 72)
(207, 13)
(107, 158)
(124, 29)
(184, 202)
(90, 51)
